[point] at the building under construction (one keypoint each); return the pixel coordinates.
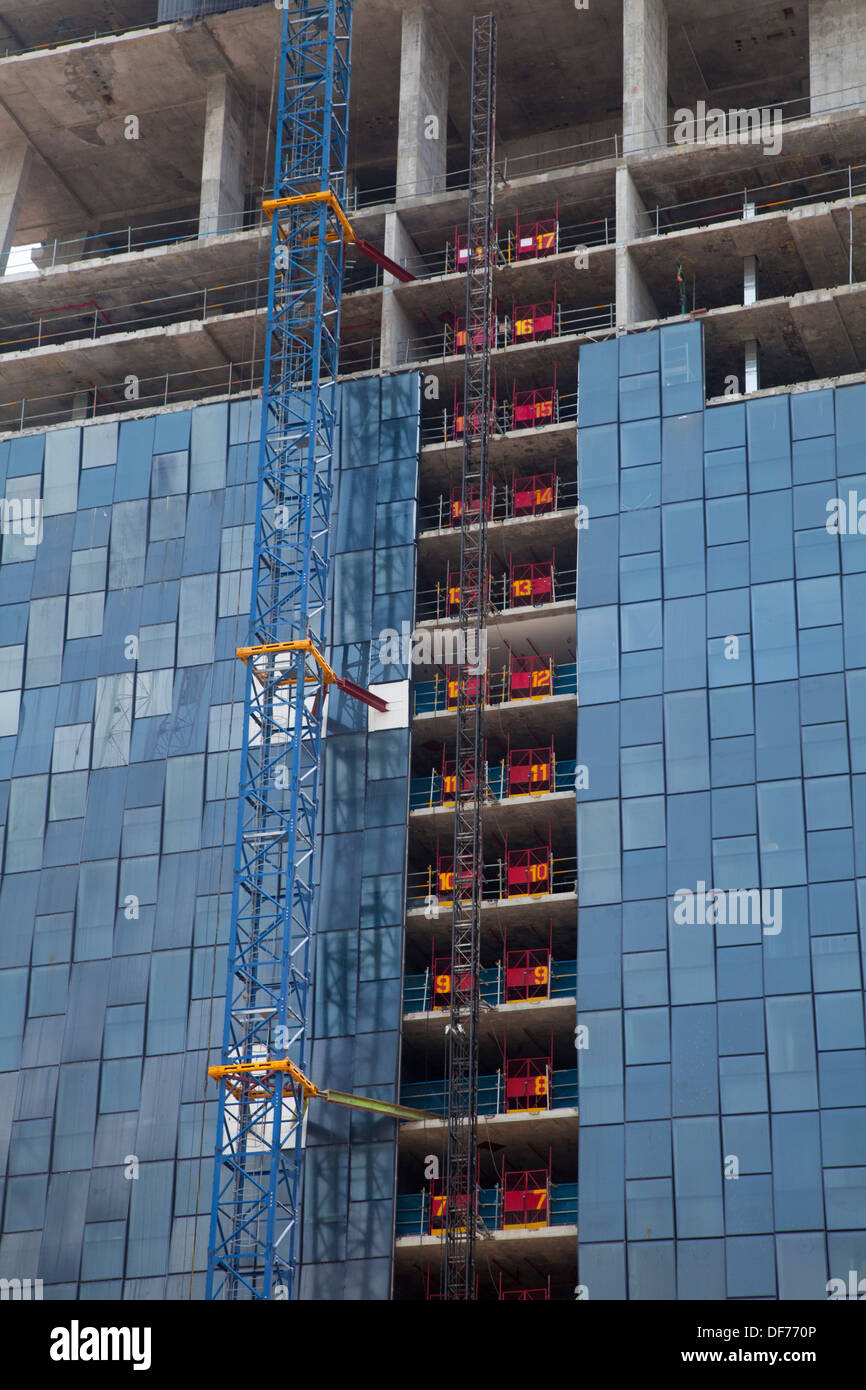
(380, 383)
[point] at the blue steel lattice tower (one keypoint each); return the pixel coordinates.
(257, 1176)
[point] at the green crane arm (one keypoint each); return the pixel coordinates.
(255, 1074)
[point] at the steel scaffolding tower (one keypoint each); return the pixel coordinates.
(462, 1156)
(257, 1177)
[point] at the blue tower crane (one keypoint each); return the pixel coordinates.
(263, 1088)
(254, 1230)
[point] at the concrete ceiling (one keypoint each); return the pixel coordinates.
(731, 51)
(71, 103)
(29, 23)
(559, 69)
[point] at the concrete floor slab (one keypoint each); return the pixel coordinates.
(517, 718)
(526, 920)
(552, 1250)
(547, 530)
(423, 1030)
(526, 1134)
(189, 353)
(532, 450)
(526, 817)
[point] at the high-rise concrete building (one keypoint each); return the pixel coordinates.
(672, 1087)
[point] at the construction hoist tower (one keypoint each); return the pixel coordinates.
(257, 1180)
(462, 1153)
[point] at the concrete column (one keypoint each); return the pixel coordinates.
(223, 169)
(82, 401)
(68, 246)
(15, 162)
(396, 324)
(422, 142)
(644, 75)
(752, 364)
(825, 250)
(634, 304)
(837, 54)
(750, 279)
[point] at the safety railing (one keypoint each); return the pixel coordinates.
(133, 393)
(360, 355)
(828, 186)
(435, 696)
(126, 240)
(419, 990)
(570, 323)
(433, 1095)
(429, 792)
(437, 604)
(359, 273)
(89, 320)
(423, 887)
(571, 237)
(418, 1214)
(608, 147)
(447, 427)
(69, 30)
(507, 501)
(362, 274)
(507, 168)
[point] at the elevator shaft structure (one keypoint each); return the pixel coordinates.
(461, 1174)
(255, 1230)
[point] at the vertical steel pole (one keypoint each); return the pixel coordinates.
(461, 1185)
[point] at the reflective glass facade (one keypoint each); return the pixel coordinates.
(194, 9)
(722, 838)
(120, 730)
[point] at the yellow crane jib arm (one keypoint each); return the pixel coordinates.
(329, 675)
(237, 1072)
(299, 199)
(302, 644)
(366, 248)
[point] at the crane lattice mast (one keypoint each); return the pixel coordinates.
(462, 1152)
(254, 1235)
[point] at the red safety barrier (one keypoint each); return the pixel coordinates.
(534, 408)
(442, 982)
(527, 975)
(475, 686)
(534, 239)
(476, 333)
(526, 1199)
(534, 494)
(473, 590)
(523, 1295)
(449, 776)
(458, 420)
(461, 244)
(473, 505)
(531, 584)
(530, 771)
(527, 1084)
(461, 247)
(532, 323)
(530, 677)
(474, 421)
(445, 879)
(439, 1205)
(528, 871)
